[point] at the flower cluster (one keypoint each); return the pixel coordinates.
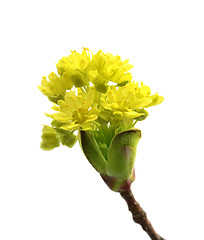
(93, 92)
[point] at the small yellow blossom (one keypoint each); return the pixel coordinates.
(109, 68)
(55, 88)
(76, 111)
(127, 101)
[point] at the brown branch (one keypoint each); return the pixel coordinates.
(139, 215)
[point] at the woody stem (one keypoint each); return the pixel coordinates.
(139, 215)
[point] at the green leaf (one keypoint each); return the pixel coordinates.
(49, 138)
(121, 154)
(92, 151)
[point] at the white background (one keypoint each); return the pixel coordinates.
(58, 195)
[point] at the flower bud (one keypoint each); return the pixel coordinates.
(49, 138)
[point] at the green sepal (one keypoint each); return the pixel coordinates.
(100, 84)
(122, 84)
(142, 117)
(121, 155)
(49, 138)
(66, 138)
(56, 124)
(77, 80)
(55, 99)
(92, 151)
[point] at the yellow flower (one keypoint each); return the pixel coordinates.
(55, 88)
(76, 111)
(109, 68)
(99, 65)
(127, 101)
(75, 61)
(84, 69)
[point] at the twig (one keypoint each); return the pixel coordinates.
(139, 215)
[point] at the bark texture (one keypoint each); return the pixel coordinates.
(139, 215)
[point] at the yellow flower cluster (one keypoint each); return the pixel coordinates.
(91, 90)
(84, 70)
(127, 101)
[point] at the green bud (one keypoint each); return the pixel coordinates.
(49, 139)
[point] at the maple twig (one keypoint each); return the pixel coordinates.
(139, 215)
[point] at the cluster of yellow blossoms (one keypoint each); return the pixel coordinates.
(93, 91)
